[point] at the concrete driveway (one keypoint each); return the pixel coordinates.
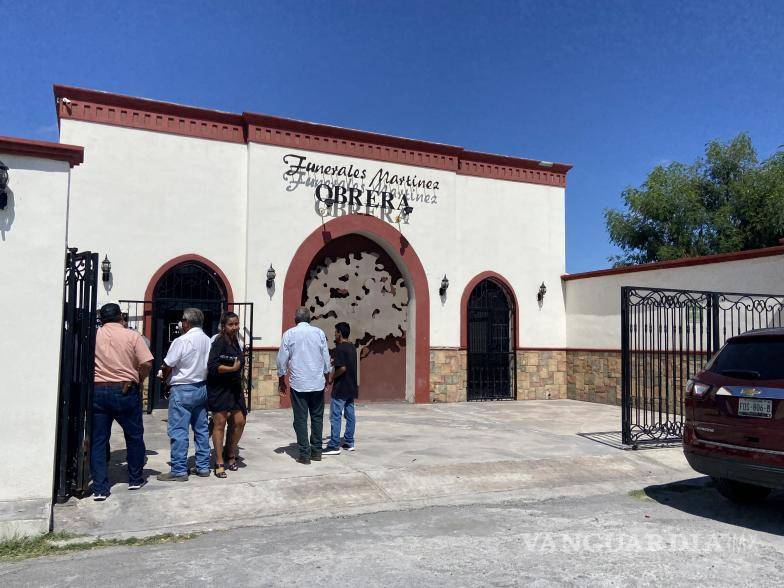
(408, 456)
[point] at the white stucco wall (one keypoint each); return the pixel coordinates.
(593, 304)
(518, 231)
(32, 257)
(144, 198)
(475, 225)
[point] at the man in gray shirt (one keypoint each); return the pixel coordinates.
(304, 356)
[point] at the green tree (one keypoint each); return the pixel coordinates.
(725, 201)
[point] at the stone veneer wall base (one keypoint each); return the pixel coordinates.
(592, 376)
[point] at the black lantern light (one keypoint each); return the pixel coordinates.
(271, 276)
(541, 293)
(106, 268)
(3, 185)
(408, 210)
(444, 286)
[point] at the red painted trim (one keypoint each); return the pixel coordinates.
(685, 262)
(389, 149)
(389, 238)
(513, 169)
(73, 154)
(167, 117)
(504, 283)
(148, 293)
(148, 115)
(542, 349)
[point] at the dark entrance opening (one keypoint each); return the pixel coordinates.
(490, 356)
(188, 284)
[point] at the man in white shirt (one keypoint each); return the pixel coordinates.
(304, 356)
(185, 367)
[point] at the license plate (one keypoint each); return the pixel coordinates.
(755, 407)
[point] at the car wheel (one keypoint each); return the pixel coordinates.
(741, 492)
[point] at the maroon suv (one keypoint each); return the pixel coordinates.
(734, 429)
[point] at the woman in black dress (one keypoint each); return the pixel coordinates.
(225, 396)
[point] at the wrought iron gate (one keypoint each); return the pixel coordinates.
(667, 336)
(490, 355)
(77, 350)
(140, 316)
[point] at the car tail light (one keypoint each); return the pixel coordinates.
(698, 389)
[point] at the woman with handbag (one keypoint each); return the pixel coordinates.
(225, 396)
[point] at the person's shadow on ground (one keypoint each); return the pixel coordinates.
(699, 497)
(291, 450)
(118, 467)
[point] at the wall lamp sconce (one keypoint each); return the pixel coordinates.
(271, 276)
(405, 212)
(444, 286)
(540, 294)
(3, 185)
(106, 268)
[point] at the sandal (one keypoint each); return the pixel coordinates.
(220, 471)
(233, 466)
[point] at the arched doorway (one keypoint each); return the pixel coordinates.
(406, 260)
(490, 320)
(185, 284)
(353, 279)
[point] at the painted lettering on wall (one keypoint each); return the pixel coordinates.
(352, 189)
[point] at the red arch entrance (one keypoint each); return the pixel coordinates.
(398, 247)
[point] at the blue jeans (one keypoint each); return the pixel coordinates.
(337, 409)
(188, 407)
(110, 404)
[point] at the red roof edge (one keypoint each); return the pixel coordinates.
(158, 106)
(285, 124)
(73, 154)
(685, 262)
(493, 159)
(300, 126)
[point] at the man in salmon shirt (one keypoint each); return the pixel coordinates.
(122, 361)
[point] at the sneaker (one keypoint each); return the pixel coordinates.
(315, 456)
(348, 447)
(332, 451)
(303, 460)
(100, 497)
(169, 477)
(200, 473)
(136, 485)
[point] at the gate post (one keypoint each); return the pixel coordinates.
(626, 397)
(714, 337)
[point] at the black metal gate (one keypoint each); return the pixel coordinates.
(490, 355)
(147, 316)
(77, 367)
(667, 336)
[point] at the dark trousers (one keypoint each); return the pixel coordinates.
(303, 403)
(110, 404)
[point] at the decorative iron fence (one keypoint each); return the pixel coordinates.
(667, 336)
(140, 317)
(490, 357)
(491, 375)
(77, 367)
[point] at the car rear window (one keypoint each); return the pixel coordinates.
(753, 358)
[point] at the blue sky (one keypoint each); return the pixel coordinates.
(611, 87)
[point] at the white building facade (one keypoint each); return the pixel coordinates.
(166, 185)
(448, 264)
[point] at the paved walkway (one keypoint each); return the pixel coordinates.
(407, 456)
